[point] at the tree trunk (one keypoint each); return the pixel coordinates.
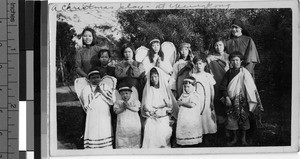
(61, 67)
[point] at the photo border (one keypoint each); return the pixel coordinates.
(51, 93)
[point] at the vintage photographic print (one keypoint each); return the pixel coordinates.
(172, 77)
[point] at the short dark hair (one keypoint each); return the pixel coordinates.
(94, 42)
(103, 51)
(236, 54)
(200, 57)
(223, 41)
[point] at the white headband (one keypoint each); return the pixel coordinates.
(189, 80)
(154, 40)
(125, 88)
(93, 72)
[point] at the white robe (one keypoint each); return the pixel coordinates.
(98, 129)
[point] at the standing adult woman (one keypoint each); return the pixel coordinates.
(218, 64)
(87, 56)
(130, 71)
(240, 41)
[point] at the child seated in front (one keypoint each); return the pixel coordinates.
(128, 133)
(240, 96)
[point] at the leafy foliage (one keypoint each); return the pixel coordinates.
(65, 53)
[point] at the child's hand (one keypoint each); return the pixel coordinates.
(126, 104)
(158, 61)
(228, 102)
(179, 102)
(88, 107)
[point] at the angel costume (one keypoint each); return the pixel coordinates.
(155, 106)
(239, 86)
(189, 123)
(164, 65)
(204, 82)
(96, 102)
(128, 134)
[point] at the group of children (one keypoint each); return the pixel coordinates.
(180, 109)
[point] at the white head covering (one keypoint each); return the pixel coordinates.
(165, 93)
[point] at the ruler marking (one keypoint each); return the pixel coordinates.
(7, 76)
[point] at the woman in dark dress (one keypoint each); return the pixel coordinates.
(240, 41)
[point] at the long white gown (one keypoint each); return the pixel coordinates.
(209, 118)
(158, 101)
(189, 124)
(128, 133)
(98, 129)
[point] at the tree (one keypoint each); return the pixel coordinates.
(65, 53)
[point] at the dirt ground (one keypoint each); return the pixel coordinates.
(275, 130)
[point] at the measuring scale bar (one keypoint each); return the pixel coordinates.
(9, 79)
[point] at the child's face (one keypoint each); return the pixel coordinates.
(200, 65)
(128, 54)
(236, 31)
(104, 58)
(125, 95)
(156, 47)
(184, 51)
(95, 79)
(219, 46)
(188, 87)
(87, 37)
(154, 79)
(236, 62)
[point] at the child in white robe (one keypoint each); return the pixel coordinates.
(128, 133)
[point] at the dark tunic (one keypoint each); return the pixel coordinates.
(246, 46)
(108, 70)
(132, 73)
(229, 75)
(217, 68)
(87, 58)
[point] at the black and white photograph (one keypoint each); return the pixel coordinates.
(172, 77)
